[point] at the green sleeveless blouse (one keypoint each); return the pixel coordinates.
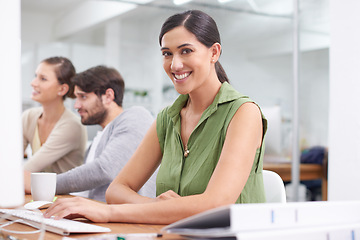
(190, 175)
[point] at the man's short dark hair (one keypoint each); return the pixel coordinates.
(100, 78)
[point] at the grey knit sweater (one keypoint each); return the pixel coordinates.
(116, 146)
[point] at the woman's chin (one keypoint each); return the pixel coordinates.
(36, 99)
(182, 90)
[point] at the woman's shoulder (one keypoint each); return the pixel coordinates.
(173, 110)
(164, 113)
(165, 109)
(228, 94)
(32, 113)
(29, 119)
(164, 119)
(70, 118)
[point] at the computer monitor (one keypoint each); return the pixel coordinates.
(273, 142)
(11, 154)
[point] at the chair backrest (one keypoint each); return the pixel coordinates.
(274, 187)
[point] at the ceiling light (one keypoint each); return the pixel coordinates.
(179, 2)
(224, 1)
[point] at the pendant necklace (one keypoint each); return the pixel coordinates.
(186, 151)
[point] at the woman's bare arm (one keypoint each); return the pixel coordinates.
(243, 137)
(136, 172)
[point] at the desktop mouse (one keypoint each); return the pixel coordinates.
(37, 205)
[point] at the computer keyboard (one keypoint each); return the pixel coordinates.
(62, 226)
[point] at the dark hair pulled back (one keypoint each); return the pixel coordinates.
(64, 71)
(202, 26)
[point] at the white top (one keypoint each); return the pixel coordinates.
(90, 157)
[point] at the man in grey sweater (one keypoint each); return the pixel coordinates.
(99, 92)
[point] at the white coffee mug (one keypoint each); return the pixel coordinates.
(43, 186)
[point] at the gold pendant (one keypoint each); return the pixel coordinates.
(186, 152)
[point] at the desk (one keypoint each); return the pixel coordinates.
(119, 228)
(307, 172)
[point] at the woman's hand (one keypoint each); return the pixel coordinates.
(27, 182)
(76, 207)
(167, 195)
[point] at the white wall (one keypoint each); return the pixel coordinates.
(36, 27)
(268, 80)
(11, 154)
(344, 125)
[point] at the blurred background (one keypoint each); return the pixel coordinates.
(257, 39)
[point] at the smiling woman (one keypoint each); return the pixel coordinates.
(209, 141)
(191, 48)
(47, 128)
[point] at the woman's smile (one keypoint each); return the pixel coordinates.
(179, 78)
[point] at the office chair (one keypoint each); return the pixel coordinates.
(274, 187)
